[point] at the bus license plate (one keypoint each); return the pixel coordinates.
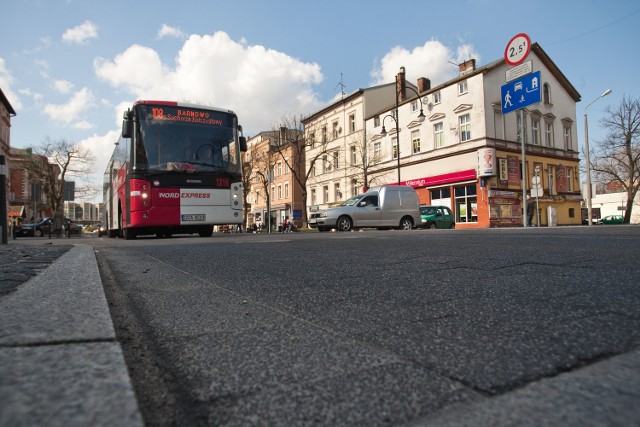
(194, 217)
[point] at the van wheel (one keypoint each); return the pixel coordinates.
(344, 223)
(432, 225)
(406, 224)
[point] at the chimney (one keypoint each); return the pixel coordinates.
(467, 66)
(424, 84)
(401, 85)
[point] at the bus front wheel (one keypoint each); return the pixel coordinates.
(206, 231)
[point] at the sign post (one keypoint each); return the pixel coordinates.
(518, 94)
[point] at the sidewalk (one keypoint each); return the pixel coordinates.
(60, 363)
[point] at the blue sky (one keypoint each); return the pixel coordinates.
(70, 67)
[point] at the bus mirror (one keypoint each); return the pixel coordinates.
(243, 144)
(127, 128)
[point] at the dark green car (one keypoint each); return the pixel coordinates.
(612, 219)
(437, 217)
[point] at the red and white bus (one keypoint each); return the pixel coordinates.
(175, 169)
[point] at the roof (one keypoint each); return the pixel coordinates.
(6, 103)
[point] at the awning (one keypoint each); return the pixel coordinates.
(16, 212)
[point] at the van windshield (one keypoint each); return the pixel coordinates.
(352, 201)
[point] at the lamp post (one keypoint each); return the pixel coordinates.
(587, 158)
(421, 118)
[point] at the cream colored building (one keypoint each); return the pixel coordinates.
(339, 146)
(466, 154)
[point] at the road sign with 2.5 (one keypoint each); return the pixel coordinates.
(521, 93)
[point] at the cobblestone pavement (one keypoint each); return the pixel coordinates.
(21, 261)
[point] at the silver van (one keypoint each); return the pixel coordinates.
(387, 206)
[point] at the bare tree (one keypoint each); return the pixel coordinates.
(368, 159)
(301, 141)
(263, 163)
(65, 161)
(616, 158)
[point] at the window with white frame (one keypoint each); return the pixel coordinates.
(551, 179)
(462, 87)
(569, 179)
(279, 191)
(535, 130)
(325, 193)
(334, 132)
(566, 136)
(354, 187)
(336, 191)
(354, 154)
(548, 134)
(465, 127)
(377, 150)
(466, 203)
(352, 123)
(286, 190)
(438, 135)
(336, 160)
(257, 198)
(279, 169)
(414, 105)
(415, 141)
(324, 134)
(312, 139)
(394, 148)
(437, 98)
(326, 165)
(314, 199)
(546, 93)
(376, 121)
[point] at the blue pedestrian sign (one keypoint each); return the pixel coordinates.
(521, 93)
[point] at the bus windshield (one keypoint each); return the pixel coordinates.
(186, 140)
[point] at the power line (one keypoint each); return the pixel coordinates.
(594, 30)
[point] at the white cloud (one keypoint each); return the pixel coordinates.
(80, 34)
(430, 60)
(259, 84)
(167, 31)
(6, 80)
(34, 95)
(101, 146)
(72, 111)
(62, 86)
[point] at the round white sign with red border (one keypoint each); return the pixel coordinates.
(517, 49)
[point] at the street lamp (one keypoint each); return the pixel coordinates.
(587, 158)
(421, 118)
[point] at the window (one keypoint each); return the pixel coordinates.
(354, 188)
(352, 123)
(438, 135)
(546, 93)
(551, 172)
(326, 166)
(324, 134)
(437, 98)
(377, 151)
(569, 180)
(465, 128)
(334, 131)
(336, 191)
(548, 134)
(462, 87)
(325, 193)
(414, 105)
(279, 169)
(286, 190)
(415, 141)
(312, 139)
(572, 213)
(466, 203)
(257, 197)
(313, 197)
(376, 121)
(566, 136)
(279, 192)
(535, 131)
(441, 197)
(354, 154)
(394, 148)
(336, 160)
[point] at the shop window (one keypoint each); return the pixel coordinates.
(466, 203)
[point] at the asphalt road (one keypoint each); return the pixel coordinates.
(375, 327)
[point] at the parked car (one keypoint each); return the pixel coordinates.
(437, 217)
(387, 206)
(42, 227)
(102, 230)
(612, 219)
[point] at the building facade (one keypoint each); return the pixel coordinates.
(274, 194)
(6, 112)
(466, 154)
(338, 153)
